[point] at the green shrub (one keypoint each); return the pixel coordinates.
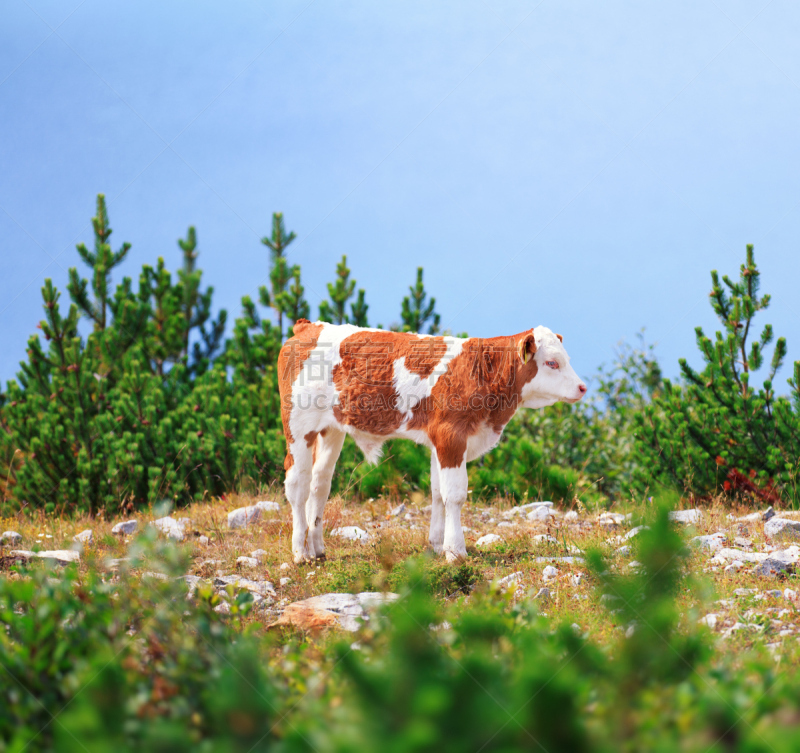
(719, 431)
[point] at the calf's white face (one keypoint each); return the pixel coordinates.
(555, 380)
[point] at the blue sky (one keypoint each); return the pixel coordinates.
(575, 164)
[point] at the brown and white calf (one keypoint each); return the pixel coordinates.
(451, 394)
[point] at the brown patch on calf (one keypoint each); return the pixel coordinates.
(365, 377)
(481, 387)
(560, 339)
(293, 354)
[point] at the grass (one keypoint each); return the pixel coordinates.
(771, 621)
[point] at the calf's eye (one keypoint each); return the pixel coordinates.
(552, 364)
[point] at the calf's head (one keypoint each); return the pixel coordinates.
(555, 379)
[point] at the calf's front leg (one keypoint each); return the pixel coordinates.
(453, 484)
(436, 534)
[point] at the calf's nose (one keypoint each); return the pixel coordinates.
(582, 388)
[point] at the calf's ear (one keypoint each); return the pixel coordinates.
(560, 339)
(526, 347)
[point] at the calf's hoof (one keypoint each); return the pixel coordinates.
(453, 558)
(321, 558)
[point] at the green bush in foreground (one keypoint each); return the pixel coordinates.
(132, 665)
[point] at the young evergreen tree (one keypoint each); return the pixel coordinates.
(280, 272)
(417, 310)
(359, 310)
(720, 430)
(292, 302)
(340, 293)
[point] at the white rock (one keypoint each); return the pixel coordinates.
(624, 550)
(577, 579)
(348, 608)
(61, 556)
(203, 540)
(545, 537)
(782, 528)
(686, 516)
(242, 517)
(571, 515)
(611, 518)
(540, 513)
(351, 533)
(505, 524)
(569, 560)
(709, 620)
(284, 566)
(223, 608)
(634, 565)
(734, 566)
(525, 509)
(542, 593)
(488, 540)
(713, 541)
(730, 555)
(635, 532)
(505, 582)
(259, 554)
(10, 537)
(84, 537)
(399, 510)
(126, 528)
(247, 561)
(549, 573)
(285, 581)
(174, 529)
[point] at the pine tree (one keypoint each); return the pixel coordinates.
(416, 312)
(102, 260)
(719, 430)
(340, 293)
(359, 310)
(280, 272)
(292, 302)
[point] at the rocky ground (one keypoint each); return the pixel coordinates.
(746, 559)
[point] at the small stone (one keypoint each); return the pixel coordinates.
(84, 537)
(173, 529)
(768, 514)
(577, 579)
(505, 582)
(713, 541)
(745, 591)
(542, 594)
(488, 540)
(635, 532)
(540, 513)
(525, 509)
(399, 510)
(247, 561)
(688, 517)
(571, 515)
(790, 594)
(624, 550)
(505, 524)
(242, 517)
(259, 554)
(782, 528)
(772, 567)
(734, 566)
(223, 608)
(634, 565)
(60, 556)
(351, 533)
(10, 537)
(267, 506)
(710, 620)
(545, 538)
(549, 573)
(126, 528)
(285, 581)
(284, 566)
(203, 540)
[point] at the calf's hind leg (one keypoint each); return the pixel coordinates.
(298, 483)
(327, 447)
